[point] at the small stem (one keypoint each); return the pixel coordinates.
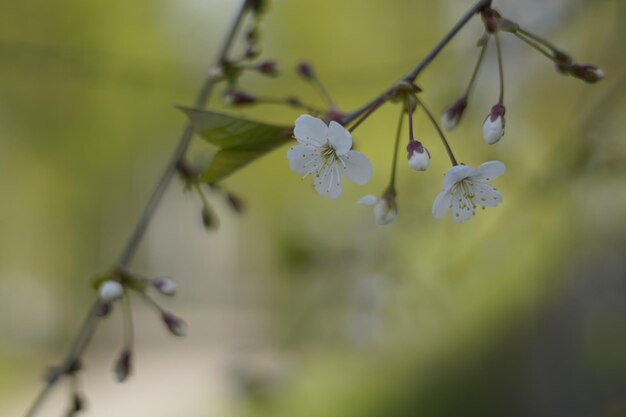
(476, 68)
(367, 114)
(323, 92)
(409, 109)
(536, 46)
(394, 160)
(538, 39)
(412, 75)
(441, 135)
(79, 345)
(130, 249)
(285, 102)
(500, 68)
(129, 332)
(136, 236)
(205, 202)
(151, 301)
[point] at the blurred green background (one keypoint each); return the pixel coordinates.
(303, 306)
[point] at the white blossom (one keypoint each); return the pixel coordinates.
(465, 188)
(385, 210)
(110, 291)
(325, 153)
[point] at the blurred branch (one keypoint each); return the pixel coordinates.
(412, 75)
(71, 363)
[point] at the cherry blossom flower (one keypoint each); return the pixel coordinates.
(465, 188)
(385, 210)
(325, 153)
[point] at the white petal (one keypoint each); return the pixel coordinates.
(486, 195)
(441, 204)
(304, 159)
(356, 167)
(455, 174)
(493, 131)
(489, 170)
(339, 138)
(328, 182)
(384, 213)
(310, 130)
(419, 161)
(462, 207)
(368, 200)
(448, 122)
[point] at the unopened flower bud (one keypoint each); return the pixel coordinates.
(238, 97)
(588, 73)
(78, 404)
(305, 70)
(385, 209)
(451, 117)
(252, 51)
(493, 127)
(104, 309)
(235, 202)
(293, 101)
(164, 285)
(123, 366)
(418, 156)
(268, 68)
(334, 114)
(209, 220)
(175, 325)
(110, 291)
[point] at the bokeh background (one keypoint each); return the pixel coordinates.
(303, 306)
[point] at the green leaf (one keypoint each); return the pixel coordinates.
(240, 141)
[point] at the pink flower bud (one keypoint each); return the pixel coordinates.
(123, 365)
(493, 127)
(175, 325)
(238, 97)
(305, 70)
(268, 68)
(165, 286)
(588, 73)
(418, 156)
(104, 309)
(453, 114)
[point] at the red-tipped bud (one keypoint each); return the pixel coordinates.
(305, 70)
(164, 285)
(268, 68)
(238, 97)
(451, 117)
(587, 73)
(493, 127)
(418, 156)
(123, 366)
(175, 325)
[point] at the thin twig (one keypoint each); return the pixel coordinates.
(412, 75)
(130, 249)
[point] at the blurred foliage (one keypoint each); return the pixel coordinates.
(520, 311)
